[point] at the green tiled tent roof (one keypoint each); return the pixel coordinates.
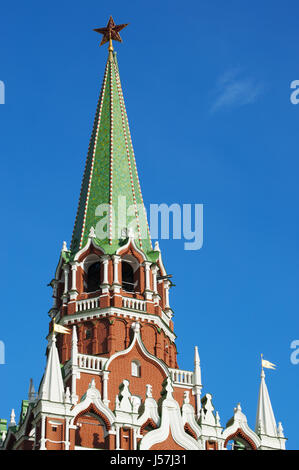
(110, 176)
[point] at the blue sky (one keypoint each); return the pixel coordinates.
(207, 90)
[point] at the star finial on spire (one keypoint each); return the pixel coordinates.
(111, 32)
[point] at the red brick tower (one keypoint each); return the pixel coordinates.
(112, 380)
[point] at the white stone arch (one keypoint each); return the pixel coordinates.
(239, 422)
(137, 339)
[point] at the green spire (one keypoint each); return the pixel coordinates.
(110, 176)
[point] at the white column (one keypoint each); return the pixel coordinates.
(74, 292)
(67, 434)
(43, 433)
(74, 359)
(134, 438)
(116, 260)
(116, 285)
(66, 270)
(105, 387)
(147, 291)
(105, 261)
(117, 438)
(155, 271)
(166, 286)
(74, 276)
(155, 284)
(147, 266)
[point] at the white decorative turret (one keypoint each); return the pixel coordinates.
(136, 327)
(280, 430)
(149, 391)
(74, 360)
(157, 247)
(64, 246)
(272, 436)
(31, 392)
(265, 420)
(74, 353)
(207, 416)
(218, 423)
(197, 381)
(67, 395)
(131, 233)
(92, 233)
(197, 370)
(51, 388)
(171, 424)
(124, 396)
(12, 422)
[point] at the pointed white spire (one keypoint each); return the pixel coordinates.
(92, 232)
(31, 392)
(265, 420)
(64, 246)
(12, 419)
(130, 233)
(149, 391)
(197, 370)
(280, 430)
(157, 247)
(52, 384)
(74, 346)
(67, 395)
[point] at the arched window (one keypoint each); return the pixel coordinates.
(127, 274)
(135, 369)
(238, 444)
(93, 277)
(88, 333)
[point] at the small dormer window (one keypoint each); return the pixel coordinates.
(93, 277)
(135, 369)
(127, 272)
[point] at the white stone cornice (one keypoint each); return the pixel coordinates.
(122, 313)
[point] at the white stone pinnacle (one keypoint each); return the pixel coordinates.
(157, 247)
(265, 420)
(12, 418)
(92, 233)
(52, 388)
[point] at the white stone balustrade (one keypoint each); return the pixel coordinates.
(91, 362)
(135, 304)
(87, 304)
(182, 377)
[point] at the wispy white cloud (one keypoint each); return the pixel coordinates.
(233, 90)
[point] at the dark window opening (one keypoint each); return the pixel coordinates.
(93, 277)
(127, 273)
(88, 333)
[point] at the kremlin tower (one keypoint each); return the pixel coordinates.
(112, 380)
